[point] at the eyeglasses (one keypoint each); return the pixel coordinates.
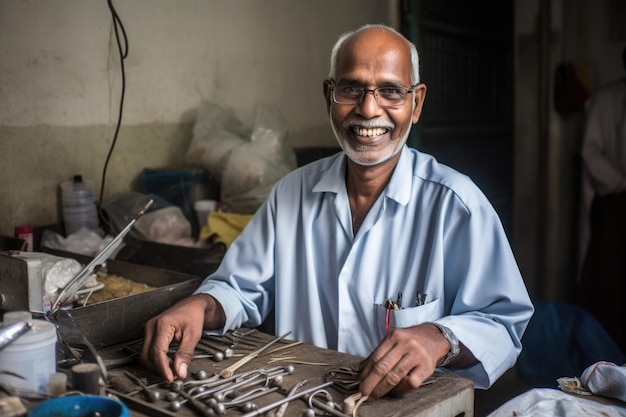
(389, 96)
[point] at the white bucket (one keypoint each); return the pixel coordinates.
(32, 356)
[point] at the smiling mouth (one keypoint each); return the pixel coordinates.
(370, 132)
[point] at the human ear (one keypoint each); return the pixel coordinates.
(419, 97)
(327, 94)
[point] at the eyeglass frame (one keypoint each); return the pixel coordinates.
(332, 84)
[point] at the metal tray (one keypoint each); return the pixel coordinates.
(123, 319)
(120, 319)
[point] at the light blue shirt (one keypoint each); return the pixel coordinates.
(430, 231)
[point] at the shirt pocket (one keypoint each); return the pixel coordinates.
(406, 317)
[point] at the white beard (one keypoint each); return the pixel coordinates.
(362, 155)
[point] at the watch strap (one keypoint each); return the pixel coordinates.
(454, 344)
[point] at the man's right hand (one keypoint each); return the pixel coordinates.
(184, 323)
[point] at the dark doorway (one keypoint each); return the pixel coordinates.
(466, 59)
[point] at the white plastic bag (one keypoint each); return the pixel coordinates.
(246, 162)
(216, 132)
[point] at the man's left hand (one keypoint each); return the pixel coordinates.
(404, 359)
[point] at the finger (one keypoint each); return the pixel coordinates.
(412, 380)
(144, 356)
(159, 357)
(389, 371)
(154, 350)
(403, 376)
(376, 370)
(184, 354)
(381, 383)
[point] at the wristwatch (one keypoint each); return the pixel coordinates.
(454, 344)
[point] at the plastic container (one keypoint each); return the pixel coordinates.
(77, 188)
(203, 209)
(77, 218)
(11, 317)
(80, 406)
(79, 207)
(25, 233)
(180, 188)
(32, 356)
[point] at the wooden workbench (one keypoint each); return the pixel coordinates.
(443, 395)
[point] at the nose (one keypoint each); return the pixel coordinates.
(369, 107)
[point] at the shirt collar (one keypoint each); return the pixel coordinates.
(398, 189)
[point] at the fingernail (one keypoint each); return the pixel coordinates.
(182, 370)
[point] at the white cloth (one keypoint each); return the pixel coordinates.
(57, 272)
(548, 402)
(606, 379)
(604, 143)
(430, 231)
(603, 152)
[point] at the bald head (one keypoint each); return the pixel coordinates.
(379, 33)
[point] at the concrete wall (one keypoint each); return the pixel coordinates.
(60, 84)
(60, 89)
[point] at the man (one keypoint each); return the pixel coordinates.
(341, 242)
(603, 277)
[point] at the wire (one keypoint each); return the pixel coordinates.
(123, 54)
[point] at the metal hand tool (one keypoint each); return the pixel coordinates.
(197, 404)
(11, 332)
(69, 291)
(231, 369)
(213, 385)
(228, 352)
(327, 408)
(265, 409)
(234, 341)
(151, 395)
(221, 340)
(70, 335)
(242, 332)
(281, 410)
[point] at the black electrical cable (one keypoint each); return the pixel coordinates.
(123, 53)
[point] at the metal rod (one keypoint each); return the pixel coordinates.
(227, 372)
(292, 391)
(250, 395)
(153, 396)
(278, 403)
(327, 408)
(11, 332)
(197, 404)
(227, 352)
(69, 291)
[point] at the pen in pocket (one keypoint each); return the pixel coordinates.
(390, 305)
(420, 299)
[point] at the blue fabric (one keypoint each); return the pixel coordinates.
(562, 340)
(430, 231)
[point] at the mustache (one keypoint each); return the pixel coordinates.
(353, 121)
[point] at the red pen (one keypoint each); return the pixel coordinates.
(389, 305)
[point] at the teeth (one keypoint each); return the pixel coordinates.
(377, 131)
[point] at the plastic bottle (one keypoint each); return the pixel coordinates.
(79, 207)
